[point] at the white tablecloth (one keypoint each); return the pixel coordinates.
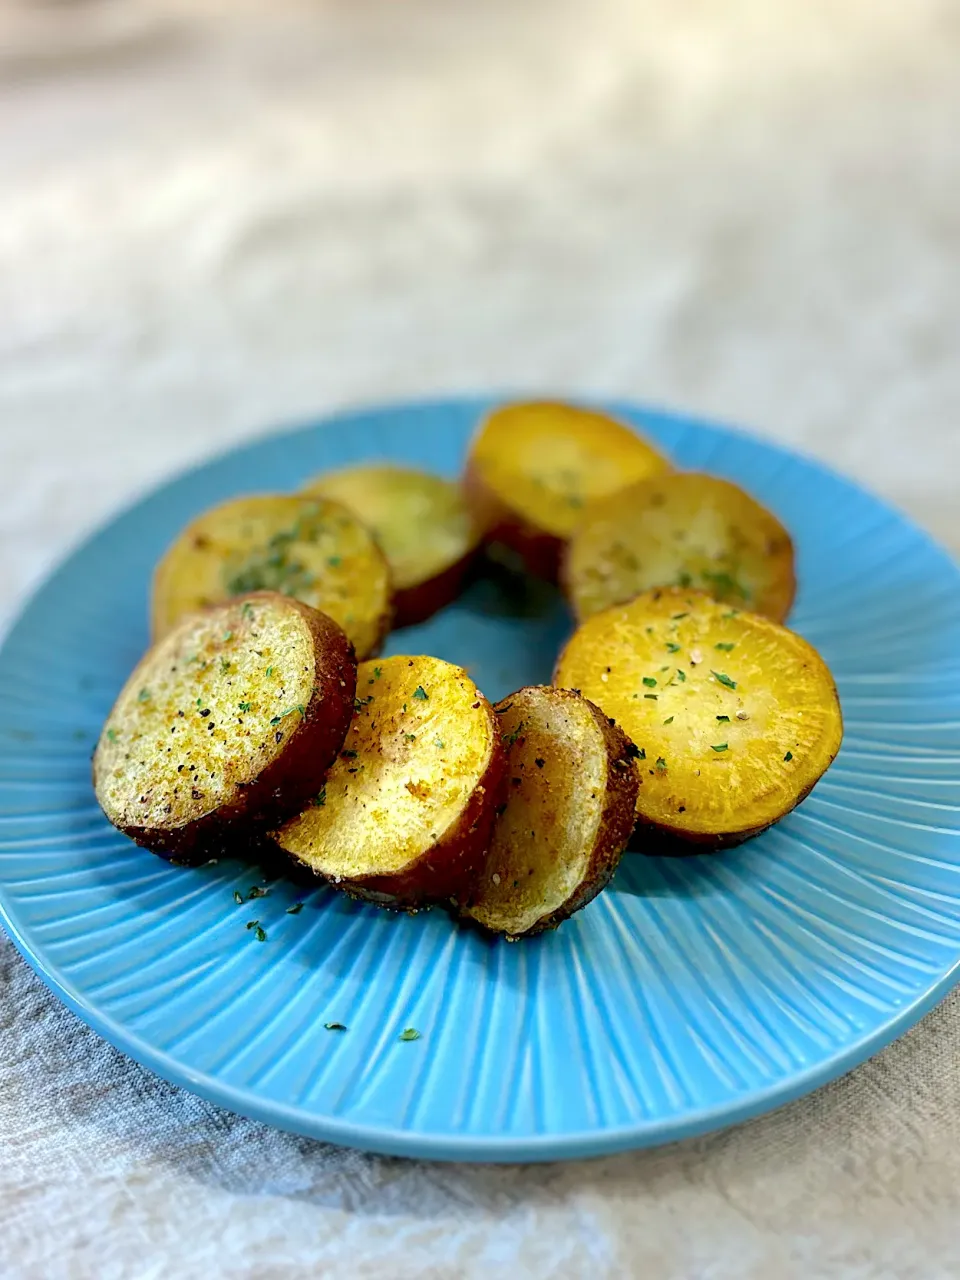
(218, 216)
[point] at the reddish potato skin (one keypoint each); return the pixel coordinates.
(445, 873)
(670, 842)
(412, 605)
(541, 552)
(285, 786)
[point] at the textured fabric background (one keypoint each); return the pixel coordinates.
(216, 216)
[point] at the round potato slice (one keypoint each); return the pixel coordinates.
(570, 810)
(405, 816)
(534, 467)
(229, 721)
(684, 530)
(736, 718)
(423, 526)
(310, 548)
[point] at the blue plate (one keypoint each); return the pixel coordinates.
(692, 993)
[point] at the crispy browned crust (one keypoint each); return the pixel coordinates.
(445, 873)
(412, 605)
(283, 788)
(541, 552)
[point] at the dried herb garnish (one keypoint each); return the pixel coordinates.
(672, 648)
(256, 892)
(724, 679)
(238, 897)
(112, 735)
(143, 695)
(661, 763)
(788, 757)
(651, 696)
(650, 682)
(724, 719)
(289, 712)
(411, 1033)
(669, 720)
(244, 706)
(295, 909)
(334, 1026)
(725, 647)
(420, 693)
(320, 799)
(720, 746)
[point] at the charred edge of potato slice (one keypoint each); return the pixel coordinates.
(684, 529)
(569, 811)
(423, 525)
(405, 816)
(534, 466)
(309, 548)
(736, 717)
(226, 725)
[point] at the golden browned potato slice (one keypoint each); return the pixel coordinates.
(405, 816)
(423, 526)
(736, 718)
(570, 810)
(229, 721)
(684, 530)
(310, 548)
(534, 467)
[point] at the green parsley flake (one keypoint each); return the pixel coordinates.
(253, 924)
(411, 1033)
(650, 682)
(720, 746)
(256, 892)
(725, 647)
(672, 648)
(348, 754)
(289, 712)
(377, 672)
(269, 672)
(724, 719)
(320, 799)
(295, 909)
(224, 666)
(244, 706)
(661, 763)
(724, 679)
(143, 695)
(788, 757)
(334, 561)
(360, 703)
(410, 737)
(238, 897)
(247, 610)
(681, 676)
(652, 697)
(227, 635)
(260, 934)
(334, 1026)
(669, 720)
(420, 693)
(678, 616)
(112, 735)
(439, 744)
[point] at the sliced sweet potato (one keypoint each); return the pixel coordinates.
(405, 816)
(230, 721)
(569, 812)
(310, 548)
(736, 718)
(534, 467)
(686, 530)
(423, 526)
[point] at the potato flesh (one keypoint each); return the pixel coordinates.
(419, 745)
(548, 461)
(202, 715)
(543, 840)
(309, 548)
(420, 521)
(685, 530)
(718, 759)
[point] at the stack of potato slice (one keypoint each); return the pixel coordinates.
(681, 708)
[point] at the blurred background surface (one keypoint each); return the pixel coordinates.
(219, 216)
